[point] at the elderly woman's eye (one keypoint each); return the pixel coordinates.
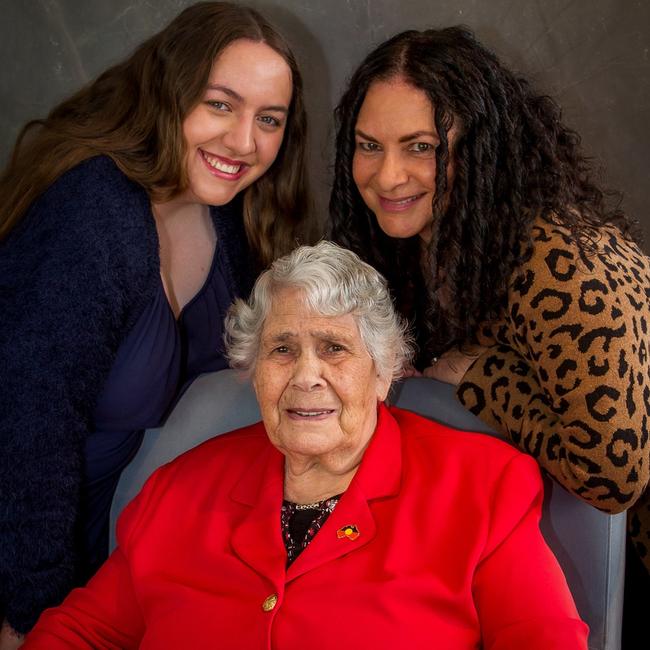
(335, 347)
(281, 349)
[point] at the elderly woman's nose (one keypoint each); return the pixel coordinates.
(307, 372)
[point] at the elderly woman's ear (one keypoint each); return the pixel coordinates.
(383, 386)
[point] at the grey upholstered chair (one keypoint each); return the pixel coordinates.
(589, 545)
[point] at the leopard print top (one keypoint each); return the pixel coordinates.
(567, 375)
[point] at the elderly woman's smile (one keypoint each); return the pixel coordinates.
(316, 383)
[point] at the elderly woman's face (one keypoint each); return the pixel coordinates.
(315, 381)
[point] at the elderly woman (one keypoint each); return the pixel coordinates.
(335, 508)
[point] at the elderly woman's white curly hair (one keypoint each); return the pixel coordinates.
(334, 282)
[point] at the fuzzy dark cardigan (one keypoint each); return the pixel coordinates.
(75, 276)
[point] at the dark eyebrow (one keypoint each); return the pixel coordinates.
(227, 91)
(237, 97)
(365, 136)
(404, 138)
(418, 134)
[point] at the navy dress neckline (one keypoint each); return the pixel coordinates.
(160, 356)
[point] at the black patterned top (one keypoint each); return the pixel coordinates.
(301, 522)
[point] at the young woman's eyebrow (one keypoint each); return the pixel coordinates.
(237, 97)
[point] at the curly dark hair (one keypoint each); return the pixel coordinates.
(514, 161)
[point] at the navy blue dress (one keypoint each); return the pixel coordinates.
(158, 359)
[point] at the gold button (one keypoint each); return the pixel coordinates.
(270, 602)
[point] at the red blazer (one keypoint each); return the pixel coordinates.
(449, 553)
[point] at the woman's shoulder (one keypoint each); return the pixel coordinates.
(91, 211)
(100, 167)
(92, 230)
(430, 438)
(561, 265)
(467, 466)
(94, 187)
(558, 251)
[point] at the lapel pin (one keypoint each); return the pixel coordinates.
(350, 532)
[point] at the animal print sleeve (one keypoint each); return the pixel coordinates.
(568, 379)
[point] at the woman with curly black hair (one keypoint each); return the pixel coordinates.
(527, 291)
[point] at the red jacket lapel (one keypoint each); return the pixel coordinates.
(378, 477)
(257, 540)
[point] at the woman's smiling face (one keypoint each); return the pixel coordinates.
(394, 164)
(235, 132)
(316, 384)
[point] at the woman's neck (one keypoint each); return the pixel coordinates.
(178, 209)
(187, 242)
(307, 480)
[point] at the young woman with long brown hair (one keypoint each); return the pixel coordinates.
(131, 217)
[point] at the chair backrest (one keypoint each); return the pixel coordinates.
(214, 403)
(589, 544)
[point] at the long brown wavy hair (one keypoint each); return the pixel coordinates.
(134, 112)
(514, 161)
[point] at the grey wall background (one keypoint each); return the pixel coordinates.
(591, 55)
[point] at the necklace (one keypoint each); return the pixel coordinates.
(301, 521)
(309, 506)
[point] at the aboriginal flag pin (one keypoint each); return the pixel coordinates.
(350, 532)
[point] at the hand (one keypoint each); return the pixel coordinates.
(410, 371)
(9, 638)
(453, 364)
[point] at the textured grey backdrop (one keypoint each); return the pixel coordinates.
(592, 55)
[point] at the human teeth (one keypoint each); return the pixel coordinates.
(221, 166)
(403, 201)
(311, 413)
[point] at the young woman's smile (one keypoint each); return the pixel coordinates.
(223, 167)
(235, 133)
